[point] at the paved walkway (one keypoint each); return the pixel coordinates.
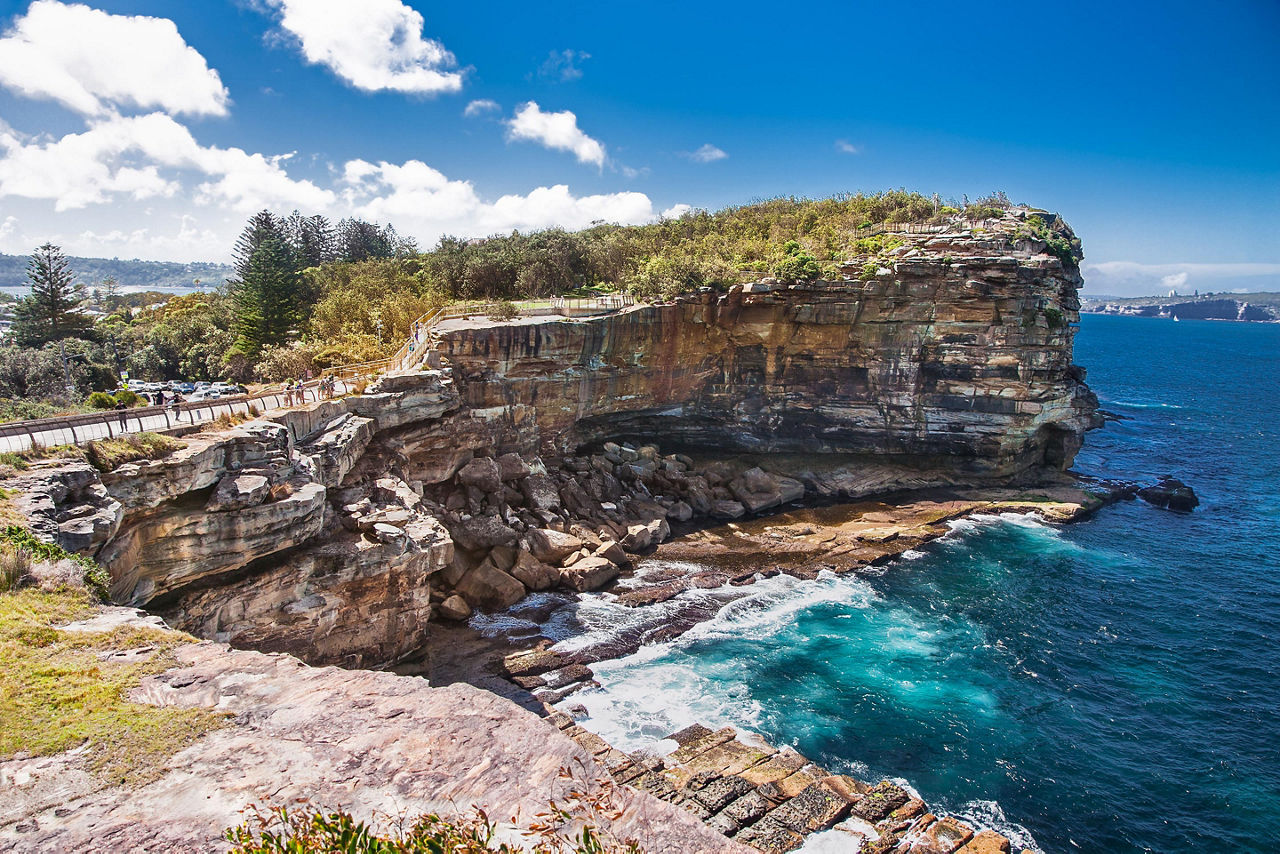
(51, 432)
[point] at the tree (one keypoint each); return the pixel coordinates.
(265, 299)
(312, 239)
(53, 310)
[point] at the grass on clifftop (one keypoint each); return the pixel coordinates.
(60, 690)
(110, 454)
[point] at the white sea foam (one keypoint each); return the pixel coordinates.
(988, 815)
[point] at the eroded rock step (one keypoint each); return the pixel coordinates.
(772, 799)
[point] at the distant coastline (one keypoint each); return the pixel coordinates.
(1263, 307)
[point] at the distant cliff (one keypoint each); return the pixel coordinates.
(1259, 307)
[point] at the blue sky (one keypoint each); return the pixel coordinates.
(152, 129)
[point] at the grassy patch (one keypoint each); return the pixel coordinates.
(57, 691)
(110, 454)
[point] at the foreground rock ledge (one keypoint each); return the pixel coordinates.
(372, 743)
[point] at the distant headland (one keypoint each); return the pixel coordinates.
(1261, 307)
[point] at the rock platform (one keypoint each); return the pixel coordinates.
(773, 799)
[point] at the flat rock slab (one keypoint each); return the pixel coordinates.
(372, 743)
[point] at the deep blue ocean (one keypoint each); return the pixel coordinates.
(1112, 685)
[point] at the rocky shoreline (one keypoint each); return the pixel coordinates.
(767, 798)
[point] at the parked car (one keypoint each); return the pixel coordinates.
(203, 394)
(186, 388)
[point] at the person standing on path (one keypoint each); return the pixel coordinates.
(122, 411)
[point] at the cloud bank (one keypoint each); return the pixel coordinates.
(94, 63)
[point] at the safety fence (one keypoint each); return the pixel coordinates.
(16, 436)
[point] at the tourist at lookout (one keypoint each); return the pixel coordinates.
(122, 411)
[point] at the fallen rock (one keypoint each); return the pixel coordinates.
(483, 473)
(512, 467)
(590, 573)
(455, 608)
(533, 573)
(724, 509)
(489, 588)
(551, 546)
(482, 532)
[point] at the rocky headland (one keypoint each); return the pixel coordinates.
(546, 453)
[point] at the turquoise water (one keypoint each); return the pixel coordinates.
(1106, 686)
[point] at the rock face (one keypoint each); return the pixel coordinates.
(373, 744)
(334, 531)
(956, 355)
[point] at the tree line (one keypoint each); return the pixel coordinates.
(307, 293)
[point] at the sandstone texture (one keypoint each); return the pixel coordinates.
(371, 743)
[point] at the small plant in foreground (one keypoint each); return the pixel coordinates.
(571, 827)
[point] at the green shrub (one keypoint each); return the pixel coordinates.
(1055, 318)
(505, 310)
(100, 400)
(796, 265)
(23, 542)
(127, 396)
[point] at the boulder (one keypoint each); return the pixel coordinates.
(638, 538)
(482, 532)
(512, 467)
(533, 573)
(455, 608)
(552, 546)
(724, 509)
(540, 492)
(483, 473)
(613, 552)
(490, 588)
(680, 512)
(986, 842)
(591, 573)
(238, 491)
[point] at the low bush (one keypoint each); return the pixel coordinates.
(110, 454)
(24, 550)
(127, 396)
(100, 400)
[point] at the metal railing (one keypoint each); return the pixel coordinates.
(80, 429)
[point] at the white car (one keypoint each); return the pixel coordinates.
(201, 395)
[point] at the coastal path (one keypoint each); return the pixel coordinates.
(418, 349)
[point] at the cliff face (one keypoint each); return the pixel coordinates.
(956, 355)
(335, 531)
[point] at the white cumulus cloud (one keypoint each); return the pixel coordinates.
(844, 146)
(140, 157)
(677, 211)
(94, 62)
(708, 153)
(424, 202)
(480, 106)
(374, 45)
(555, 130)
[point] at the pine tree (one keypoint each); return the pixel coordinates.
(266, 298)
(53, 310)
(313, 239)
(266, 292)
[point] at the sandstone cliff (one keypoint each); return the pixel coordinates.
(336, 531)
